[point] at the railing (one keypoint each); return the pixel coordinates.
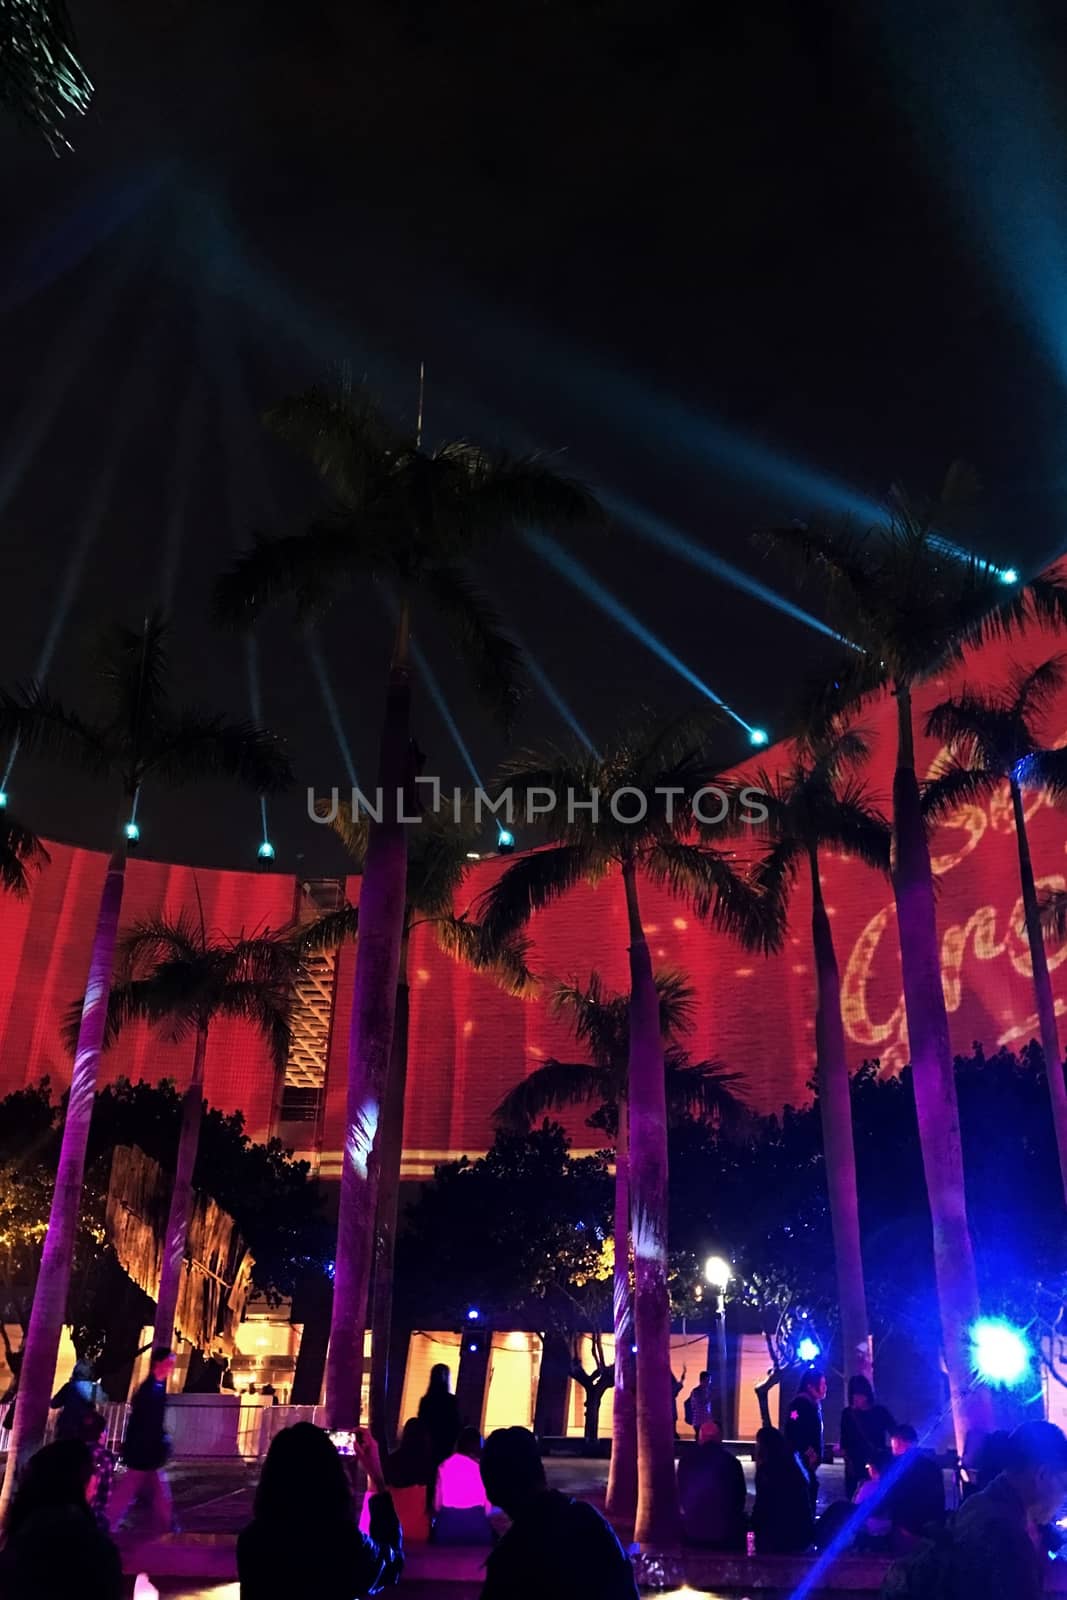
(115, 1413)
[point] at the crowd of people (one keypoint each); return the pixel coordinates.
(307, 1534)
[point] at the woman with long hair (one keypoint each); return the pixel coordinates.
(53, 1548)
(439, 1413)
(303, 1537)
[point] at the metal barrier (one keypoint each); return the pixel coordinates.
(256, 1427)
(114, 1411)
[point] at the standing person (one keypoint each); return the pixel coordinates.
(677, 1385)
(74, 1401)
(146, 1448)
(917, 1498)
(439, 1413)
(712, 1493)
(461, 1504)
(995, 1549)
(804, 1428)
(53, 1548)
(865, 1430)
(698, 1405)
(303, 1538)
(555, 1546)
(410, 1472)
(782, 1519)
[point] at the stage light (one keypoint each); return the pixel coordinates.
(758, 736)
(1001, 1353)
(133, 832)
(3, 799)
(505, 841)
(808, 1349)
(473, 1314)
(266, 851)
(717, 1273)
(1008, 575)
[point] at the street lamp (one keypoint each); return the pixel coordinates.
(717, 1275)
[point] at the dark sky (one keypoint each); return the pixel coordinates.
(651, 237)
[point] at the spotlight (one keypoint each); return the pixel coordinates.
(473, 1314)
(133, 832)
(3, 799)
(717, 1272)
(1008, 575)
(808, 1349)
(266, 851)
(505, 842)
(758, 736)
(1001, 1353)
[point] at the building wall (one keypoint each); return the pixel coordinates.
(470, 1043)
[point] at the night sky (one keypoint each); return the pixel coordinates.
(734, 263)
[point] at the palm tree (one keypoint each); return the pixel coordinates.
(137, 737)
(41, 78)
(602, 1023)
(438, 863)
(173, 973)
(994, 740)
(409, 520)
(20, 853)
(910, 603)
(813, 805)
(655, 775)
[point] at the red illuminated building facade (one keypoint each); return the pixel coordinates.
(469, 1043)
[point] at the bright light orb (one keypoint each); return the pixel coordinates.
(473, 1314)
(717, 1272)
(506, 840)
(1001, 1353)
(133, 832)
(758, 736)
(1008, 575)
(3, 799)
(808, 1349)
(266, 851)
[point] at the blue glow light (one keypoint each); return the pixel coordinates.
(808, 1349)
(266, 851)
(584, 581)
(438, 698)
(1001, 1353)
(759, 736)
(506, 839)
(473, 1314)
(1008, 575)
(133, 832)
(3, 799)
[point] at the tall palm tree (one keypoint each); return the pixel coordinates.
(910, 603)
(438, 863)
(816, 804)
(601, 1022)
(21, 852)
(994, 739)
(136, 737)
(41, 78)
(173, 974)
(654, 775)
(410, 520)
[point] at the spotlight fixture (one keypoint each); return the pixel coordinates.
(3, 799)
(758, 736)
(133, 832)
(266, 851)
(808, 1349)
(1001, 1353)
(505, 842)
(1008, 575)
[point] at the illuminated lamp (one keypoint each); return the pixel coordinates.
(1001, 1353)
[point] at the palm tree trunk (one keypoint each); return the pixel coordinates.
(839, 1151)
(37, 1373)
(657, 1522)
(622, 1472)
(370, 1042)
(935, 1085)
(392, 1143)
(181, 1198)
(1046, 1004)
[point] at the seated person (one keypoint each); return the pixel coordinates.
(782, 1520)
(711, 1493)
(917, 1498)
(879, 1525)
(461, 1505)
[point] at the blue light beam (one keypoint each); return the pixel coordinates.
(584, 581)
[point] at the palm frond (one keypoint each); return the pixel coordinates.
(552, 1087)
(1031, 694)
(329, 931)
(20, 853)
(136, 1000)
(503, 960)
(1044, 769)
(133, 666)
(155, 941)
(705, 1089)
(774, 876)
(493, 659)
(196, 746)
(518, 491)
(852, 824)
(528, 885)
(265, 1008)
(352, 827)
(42, 81)
(343, 432)
(712, 885)
(1054, 914)
(310, 569)
(978, 729)
(40, 725)
(955, 787)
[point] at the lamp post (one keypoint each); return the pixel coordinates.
(717, 1275)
